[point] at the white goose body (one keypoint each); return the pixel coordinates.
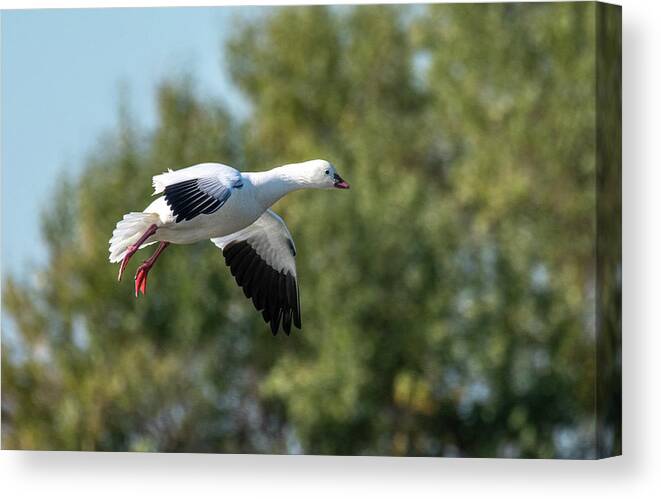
(241, 209)
(217, 202)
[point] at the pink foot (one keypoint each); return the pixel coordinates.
(125, 261)
(145, 267)
(141, 278)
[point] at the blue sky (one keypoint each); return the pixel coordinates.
(62, 76)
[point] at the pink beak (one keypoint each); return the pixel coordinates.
(340, 183)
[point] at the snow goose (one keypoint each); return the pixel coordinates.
(217, 202)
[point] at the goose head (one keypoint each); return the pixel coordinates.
(321, 174)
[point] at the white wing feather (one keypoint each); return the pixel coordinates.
(270, 238)
(225, 174)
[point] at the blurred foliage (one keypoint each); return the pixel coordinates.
(609, 231)
(447, 299)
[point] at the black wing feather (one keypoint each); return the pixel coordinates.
(194, 197)
(274, 293)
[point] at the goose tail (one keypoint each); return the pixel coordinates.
(128, 231)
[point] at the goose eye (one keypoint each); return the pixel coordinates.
(327, 172)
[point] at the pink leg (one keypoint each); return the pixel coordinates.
(135, 247)
(145, 267)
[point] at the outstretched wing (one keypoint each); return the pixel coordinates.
(197, 190)
(261, 259)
